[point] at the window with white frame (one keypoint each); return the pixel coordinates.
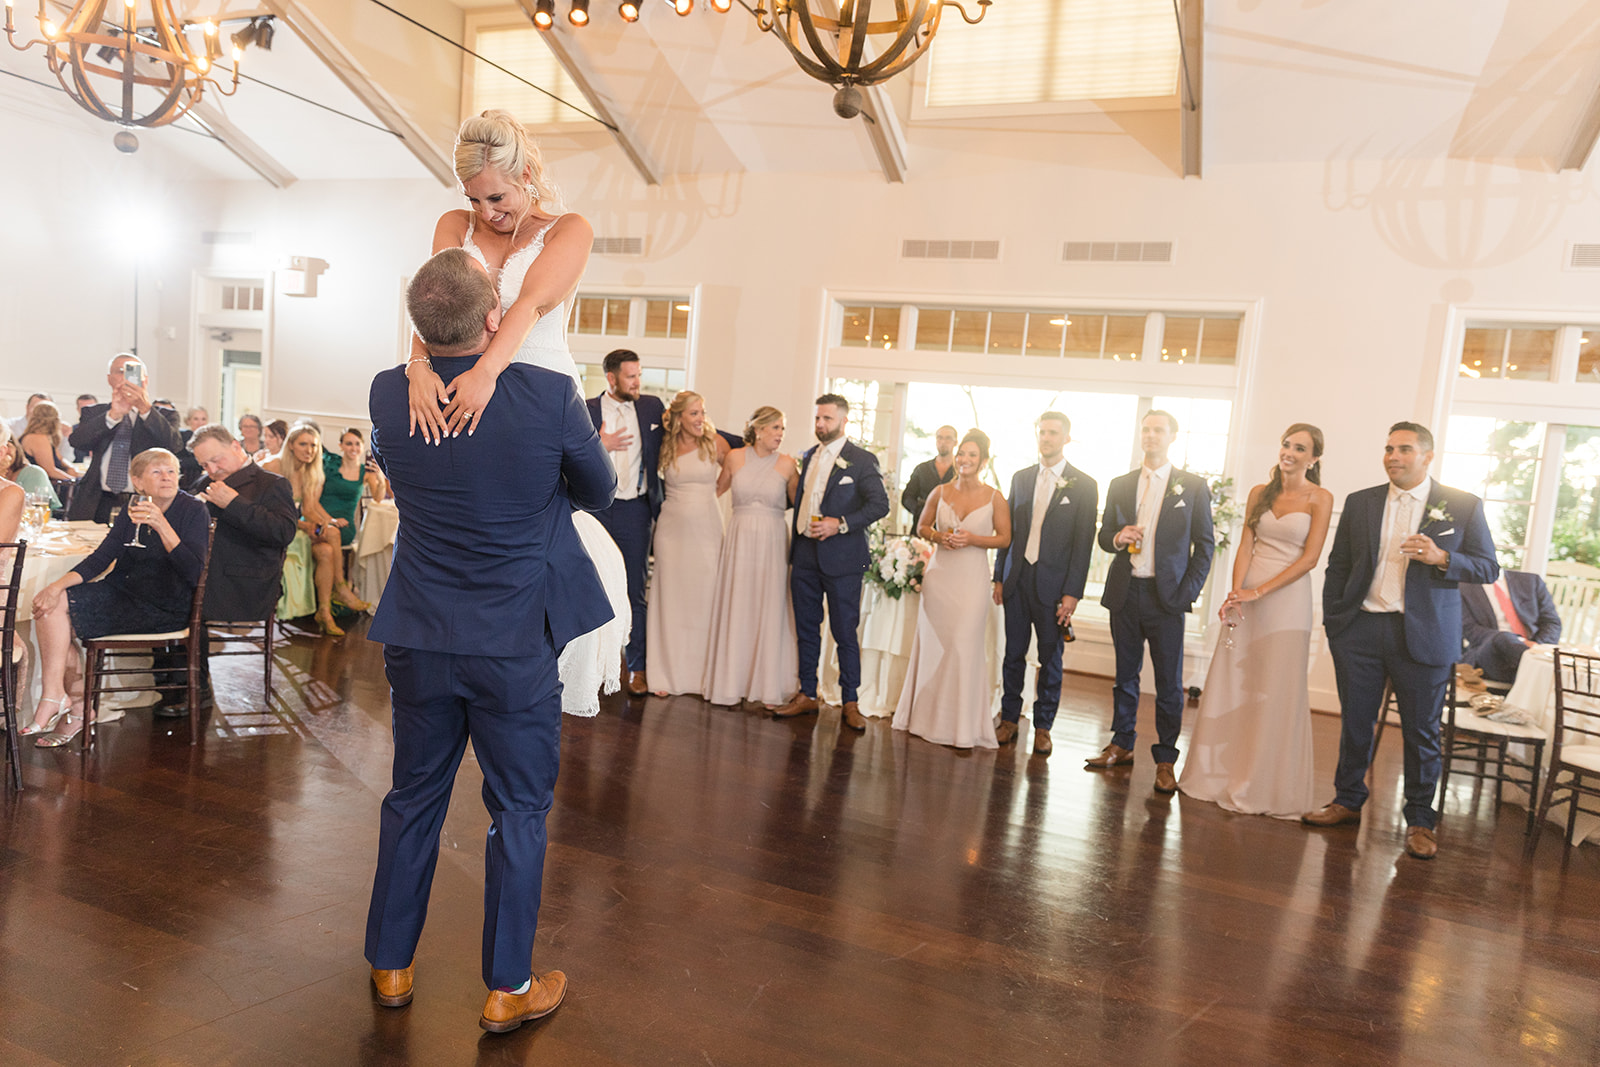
(654, 325)
(509, 41)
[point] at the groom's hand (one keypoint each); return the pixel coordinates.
(1421, 548)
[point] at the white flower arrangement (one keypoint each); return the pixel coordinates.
(898, 564)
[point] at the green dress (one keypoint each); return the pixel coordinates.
(340, 496)
(299, 595)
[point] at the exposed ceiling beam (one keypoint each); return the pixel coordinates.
(1191, 23)
(236, 141)
(1584, 137)
(883, 126)
(577, 67)
(339, 60)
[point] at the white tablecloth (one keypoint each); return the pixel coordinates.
(1535, 693)
(886, 629)
(374, 549)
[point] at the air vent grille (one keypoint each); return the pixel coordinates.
(1116, 252)
(1583, 257)
(618, 246)
(916, 249)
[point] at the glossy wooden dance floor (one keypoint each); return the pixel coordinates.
(724, 889)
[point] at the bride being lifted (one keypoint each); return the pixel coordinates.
(535, 254)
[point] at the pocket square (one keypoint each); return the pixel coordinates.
(1443, 533)
(846, 480)
(1064, 500)
(655, 426)
(1179, 504)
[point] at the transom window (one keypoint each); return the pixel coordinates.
(517, 46)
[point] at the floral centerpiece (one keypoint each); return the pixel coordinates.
(898, 563)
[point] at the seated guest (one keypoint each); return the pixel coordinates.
(250, 434)
(273, 434)
(1501, 620)
(85, 400)
(12, 496)
(14, 466)
(150, 590)
(114, 433)
(927, 476)
(256, 519)
(349, 471)
(41, 440)
(20, 423)
(318, 541)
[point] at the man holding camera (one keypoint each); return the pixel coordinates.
(113, 434)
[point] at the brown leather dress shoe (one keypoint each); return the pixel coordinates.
(1421, 842)
(506, 1011)
(1331, 815)
(393, 987)
(636, 684)
(799, 704)
(1166, 781)
(1110, 756)
(1005, 732)
(1041, 743)
(852, 716)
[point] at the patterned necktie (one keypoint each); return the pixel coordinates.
(117, 460)
(812, 501)
(1041, 502)
(1394, 563)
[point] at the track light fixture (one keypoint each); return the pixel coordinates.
(544, 14)
(722, 7)
(629, 10)
(683, 7)
(579, 15)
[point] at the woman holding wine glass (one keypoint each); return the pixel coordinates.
(317, 543)
(149, 590)
(1251, 747)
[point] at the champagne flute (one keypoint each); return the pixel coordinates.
(1232, 617)
(136, 499)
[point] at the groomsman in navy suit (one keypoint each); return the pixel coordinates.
(1391, 606)
(1158, 522)
(841, 494)
(1040, 577)
(489, 583)
(630, 429)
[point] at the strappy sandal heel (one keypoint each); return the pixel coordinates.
(63, 705)
(62, 740)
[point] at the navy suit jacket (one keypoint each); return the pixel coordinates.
(1185, 543)
(487, 561)
(649, 410)
(854, 493)
(1066, 540)
(1432, 597)
(1530, 599)
(92, 435)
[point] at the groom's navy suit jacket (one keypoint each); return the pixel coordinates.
(487, 561)
(854, 493)
(1432, 597)
(1066, 540)
(1184, 541)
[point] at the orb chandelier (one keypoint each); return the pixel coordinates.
(126, 69)
(833, 49)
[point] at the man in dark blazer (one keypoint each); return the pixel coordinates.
(1040, 577)
(1391, 606)
(490, 581)
(1503, 619)
(930, 474)
(629, 423)
(841, 494)
(1158, 522)
(113, 434)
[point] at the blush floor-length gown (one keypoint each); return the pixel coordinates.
(1250, 750)
(688, 542)
(948, 691)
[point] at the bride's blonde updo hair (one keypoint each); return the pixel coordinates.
(495, 140)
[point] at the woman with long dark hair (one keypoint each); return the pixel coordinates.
(1251, 747)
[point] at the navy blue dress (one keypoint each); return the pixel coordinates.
(151, 590)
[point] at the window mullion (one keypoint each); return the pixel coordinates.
(1546, 494)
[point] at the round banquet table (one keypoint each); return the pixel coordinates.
(374, 549)
(1534, 692)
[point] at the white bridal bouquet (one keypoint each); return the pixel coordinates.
(898, 563)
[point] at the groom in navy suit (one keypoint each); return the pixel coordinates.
(630, 428)
(1158, 522)
(489, 583)
(1391, 605)
(1040, 577)
(841, 494)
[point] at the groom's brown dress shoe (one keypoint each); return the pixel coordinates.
(1041, 743)
(636, 684)
(1005, 732)
(1421, 842)
(393, 987)
(1110, 756)
(1331, 815)
(506, 1011)
(800, 704)
(1166, 781)
(851, 714)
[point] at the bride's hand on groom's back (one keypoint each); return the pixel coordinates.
(469, 394)
(427, 398)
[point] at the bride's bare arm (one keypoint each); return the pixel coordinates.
(427, 392)
(548, 281)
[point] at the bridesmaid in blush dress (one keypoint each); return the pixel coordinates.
(948, 692)
(753, 658)
(688, 542)
(1251, 747)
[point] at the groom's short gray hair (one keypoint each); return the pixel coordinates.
(449, 299)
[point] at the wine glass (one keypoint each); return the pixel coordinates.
(1232, 618)
(137, 498)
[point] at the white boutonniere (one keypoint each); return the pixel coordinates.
(841, 464)
(1064, 483)
(1176, 490)
(1439, 513)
